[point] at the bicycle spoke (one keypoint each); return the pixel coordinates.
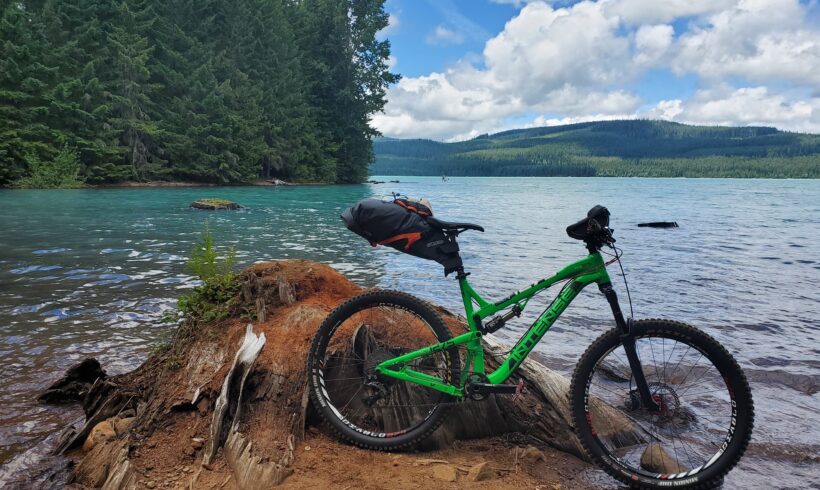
(381, 403)
(689, 428)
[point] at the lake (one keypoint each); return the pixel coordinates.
(92, 272)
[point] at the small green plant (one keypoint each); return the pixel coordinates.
(205, 263)
(213, 299)
(61, 173)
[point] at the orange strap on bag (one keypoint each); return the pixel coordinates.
(410, 237)
(411, 208)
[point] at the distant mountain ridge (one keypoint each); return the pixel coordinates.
(639, 148)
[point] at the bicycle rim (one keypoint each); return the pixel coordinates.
(697, 416)
(365, 402)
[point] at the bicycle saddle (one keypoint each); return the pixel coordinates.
(590, 227)
(452, 226)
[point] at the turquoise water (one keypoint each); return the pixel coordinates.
(91, 272)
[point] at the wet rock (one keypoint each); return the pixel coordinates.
(532, 454)
(101, 433)
(481, 472)
(656, 459)
(203, 406)
(105, 399)
(121, 424)
(278, 182)
(211, 204)
(74, 385)
(444, 472)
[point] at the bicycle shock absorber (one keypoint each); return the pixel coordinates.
(498, 322)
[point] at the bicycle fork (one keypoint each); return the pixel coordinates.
(628, 341)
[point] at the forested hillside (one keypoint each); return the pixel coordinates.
(610, 148)
(223, 91)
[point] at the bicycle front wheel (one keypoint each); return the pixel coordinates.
(363, 407)
(705, 416)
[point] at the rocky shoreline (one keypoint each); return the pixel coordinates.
(257, 183)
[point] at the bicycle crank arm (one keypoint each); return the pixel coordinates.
(484, 389)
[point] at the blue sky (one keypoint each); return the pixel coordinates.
(476, 66)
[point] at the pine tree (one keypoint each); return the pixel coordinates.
(206, 90)
(130, 95)
(24, 83)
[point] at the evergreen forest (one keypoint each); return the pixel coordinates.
(211, 91)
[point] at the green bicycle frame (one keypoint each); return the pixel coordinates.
(580, 274)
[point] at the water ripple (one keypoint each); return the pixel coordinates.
(77, 281)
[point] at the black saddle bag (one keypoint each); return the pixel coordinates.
(401, 224)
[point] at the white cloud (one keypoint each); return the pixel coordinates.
(760, 40)
(652, 43)
(581, 63)
(544, 48)
(462, 23)
(755, 106)
(667, 109)
(443, 35)
(515, 3)
(392, 61)
(652, 11)
(393, 23)
(560, 121)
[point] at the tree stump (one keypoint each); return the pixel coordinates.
(217, 384)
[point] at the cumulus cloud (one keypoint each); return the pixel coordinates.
(757, 106)
(544, 48)
(760, 40)
(652, 42)
(560, 121)
(582, 62)
(638, 12)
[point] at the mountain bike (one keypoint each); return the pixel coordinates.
(384, 368)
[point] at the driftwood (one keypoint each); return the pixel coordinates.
(74, 385)
(228, 409)
(250, 406)
(659, 224)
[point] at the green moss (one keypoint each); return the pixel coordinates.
(215, 202)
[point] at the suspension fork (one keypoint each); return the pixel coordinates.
(628, 341)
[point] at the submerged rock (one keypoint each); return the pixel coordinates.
(656, 459)
(211, 204)
(74, 385)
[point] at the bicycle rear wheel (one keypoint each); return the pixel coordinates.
(361, 406)
(706, 412)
